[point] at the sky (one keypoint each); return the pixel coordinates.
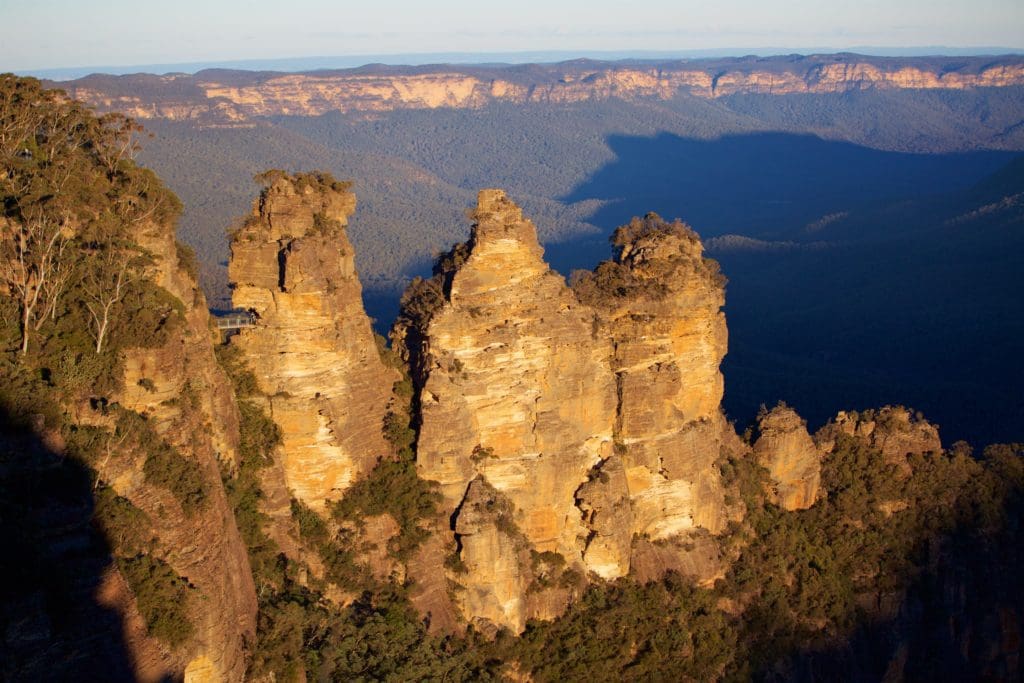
(43, 34)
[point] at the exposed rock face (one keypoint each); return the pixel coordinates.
(236, 99)
(893, 430)
(496, 558)
(513, 388)
(696, 556)
(202, 425)
(786, 450)
(312, 349)
(659, 302)
(524, 389)
(608, 513)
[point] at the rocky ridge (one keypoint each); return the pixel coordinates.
(895, 431)
(203, 544)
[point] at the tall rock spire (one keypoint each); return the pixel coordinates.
(312, 348)
(575, 423)
(659, 302)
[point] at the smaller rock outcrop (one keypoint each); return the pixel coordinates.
(786, 450)
(895, 431)
(495, 557)
(312, 349)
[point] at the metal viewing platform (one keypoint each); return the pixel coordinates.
(233, 320)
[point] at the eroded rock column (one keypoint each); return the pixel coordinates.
(786, 450)
(514, 390)
(312, 348)
(659, 303)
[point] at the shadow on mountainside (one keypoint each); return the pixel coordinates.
(52, 624)
(899, 306)
(765, 184)
(959, 619)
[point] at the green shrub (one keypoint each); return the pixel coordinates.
(187, 259)
(126, 527)
(162, 597)
(480, 453)
(167, 468)
(394, 488)
(398, 433)
(312, 528)
(242, 378)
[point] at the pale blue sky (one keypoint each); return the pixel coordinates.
(38, 34)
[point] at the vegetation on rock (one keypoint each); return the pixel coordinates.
(76, 273)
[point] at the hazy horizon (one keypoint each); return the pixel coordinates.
(62, 35)
(312, 63)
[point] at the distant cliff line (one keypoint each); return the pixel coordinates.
(236, 96)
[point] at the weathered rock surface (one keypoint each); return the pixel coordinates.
(786, 450)
(893, 430)
(201, 423)
(514, 386)
(514, 389)
(597, 421)
(312, 348)
(659, 302)
(495, 557)
(697, 557)
(608, 514)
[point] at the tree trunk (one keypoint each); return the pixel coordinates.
(102, 332)
(26, 315)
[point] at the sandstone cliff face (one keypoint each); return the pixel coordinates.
(659, 302)
(893, 430)
(188, 402)
(513, 389)
(608, 515)
(587, 423)
(358, 91)
(786, 450)
(312, 348)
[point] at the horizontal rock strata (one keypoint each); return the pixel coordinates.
(312, 349)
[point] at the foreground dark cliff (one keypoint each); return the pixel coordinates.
(537, 482)
(116, 409)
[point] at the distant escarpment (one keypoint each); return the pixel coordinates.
(311, 350)
(589, 418)
(234, 97)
